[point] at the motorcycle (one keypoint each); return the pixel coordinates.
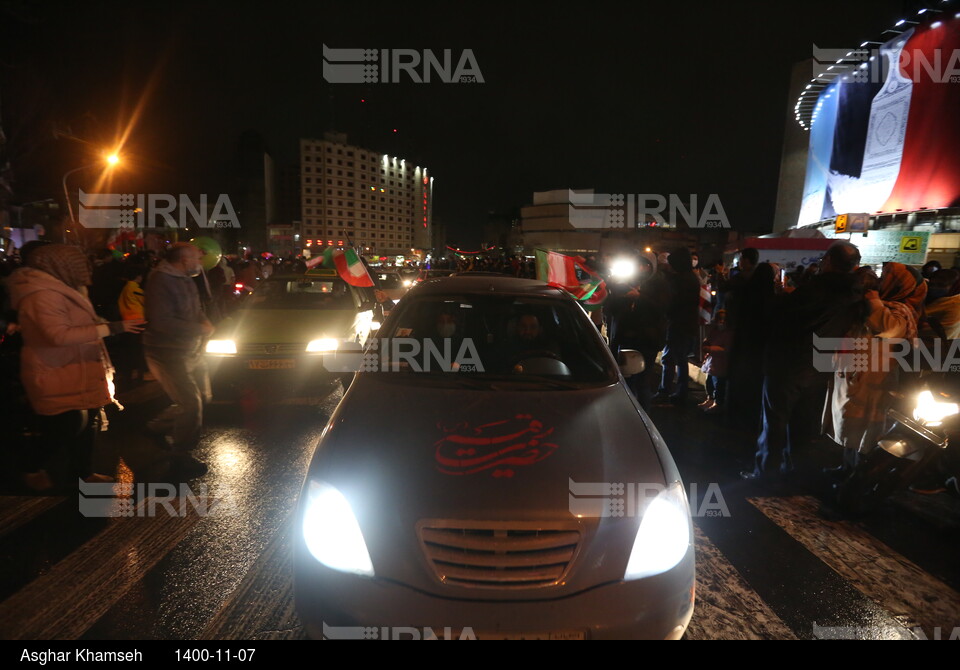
(911, 448)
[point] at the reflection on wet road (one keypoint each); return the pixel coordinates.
(214, 562)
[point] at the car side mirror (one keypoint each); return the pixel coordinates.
(631, 362)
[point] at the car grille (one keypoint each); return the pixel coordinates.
(493, 555)
(271, 349)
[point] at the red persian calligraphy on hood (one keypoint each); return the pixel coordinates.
(496, 447)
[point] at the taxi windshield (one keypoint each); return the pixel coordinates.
(301, 293)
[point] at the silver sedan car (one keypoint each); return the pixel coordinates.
(488, 474)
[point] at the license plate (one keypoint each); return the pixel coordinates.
(541, 635)
(271, 364)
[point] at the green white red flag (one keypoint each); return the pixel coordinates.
(561, 270)
(348, 265)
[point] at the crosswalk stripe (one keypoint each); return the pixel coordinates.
(727, 608)
(78, 590)
(914, 597)
(15, 511)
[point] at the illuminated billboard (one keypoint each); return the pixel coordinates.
(887, 139)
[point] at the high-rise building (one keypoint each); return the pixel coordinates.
(352, 196)
(255, 190)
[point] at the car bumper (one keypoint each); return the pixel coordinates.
(229, 370)
(657, 607)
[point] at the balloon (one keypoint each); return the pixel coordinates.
(210, 249)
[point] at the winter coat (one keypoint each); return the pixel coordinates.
(63, 364)
(173, 311)
(131, 301)
(857, 401)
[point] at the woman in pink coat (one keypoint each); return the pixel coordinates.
(64, 366)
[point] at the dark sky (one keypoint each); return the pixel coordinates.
(664, 97)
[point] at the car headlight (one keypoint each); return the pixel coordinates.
(931, 412)
(221, 347)
(323, 344)
(623, 269)
(332, 533)
(664, 535)
(407, 283)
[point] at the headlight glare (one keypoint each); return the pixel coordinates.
(322, 344)
(332, 533)
(664, 535)
(221, 347)
(932, 412)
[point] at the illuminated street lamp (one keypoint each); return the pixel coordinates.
(111, 160)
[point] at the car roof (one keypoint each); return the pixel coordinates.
(320, 272)
(486, 285)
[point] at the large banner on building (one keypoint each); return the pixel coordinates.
(886, 137)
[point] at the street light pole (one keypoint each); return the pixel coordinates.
(66, 195)
(111, 160)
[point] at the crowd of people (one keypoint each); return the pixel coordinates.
(67, 319)
(758, 350)
(76, 328)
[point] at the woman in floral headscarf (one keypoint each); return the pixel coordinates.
(65, 369)
(859, 393)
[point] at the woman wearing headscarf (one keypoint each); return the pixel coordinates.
(65, 369)
(860, 388)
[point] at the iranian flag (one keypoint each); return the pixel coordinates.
(704, 309)
(561, 271)
(348, 265)
(596, 300)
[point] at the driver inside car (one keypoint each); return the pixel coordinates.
(531, 341)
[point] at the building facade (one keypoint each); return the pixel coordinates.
(357, 197)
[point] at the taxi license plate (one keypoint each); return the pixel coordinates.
(271, 364)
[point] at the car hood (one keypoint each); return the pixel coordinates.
(264, 326)
(481, 462)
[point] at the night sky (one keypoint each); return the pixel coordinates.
(665, 97)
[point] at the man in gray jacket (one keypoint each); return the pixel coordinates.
(173, 347)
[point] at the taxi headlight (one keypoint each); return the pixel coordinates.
(222, 347)
(323, 344)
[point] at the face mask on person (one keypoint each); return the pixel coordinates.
(447, 329)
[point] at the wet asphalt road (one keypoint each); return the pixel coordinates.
(774, 562)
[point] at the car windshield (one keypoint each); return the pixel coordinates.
(495, 338)
(389, 280)
(301, 293)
